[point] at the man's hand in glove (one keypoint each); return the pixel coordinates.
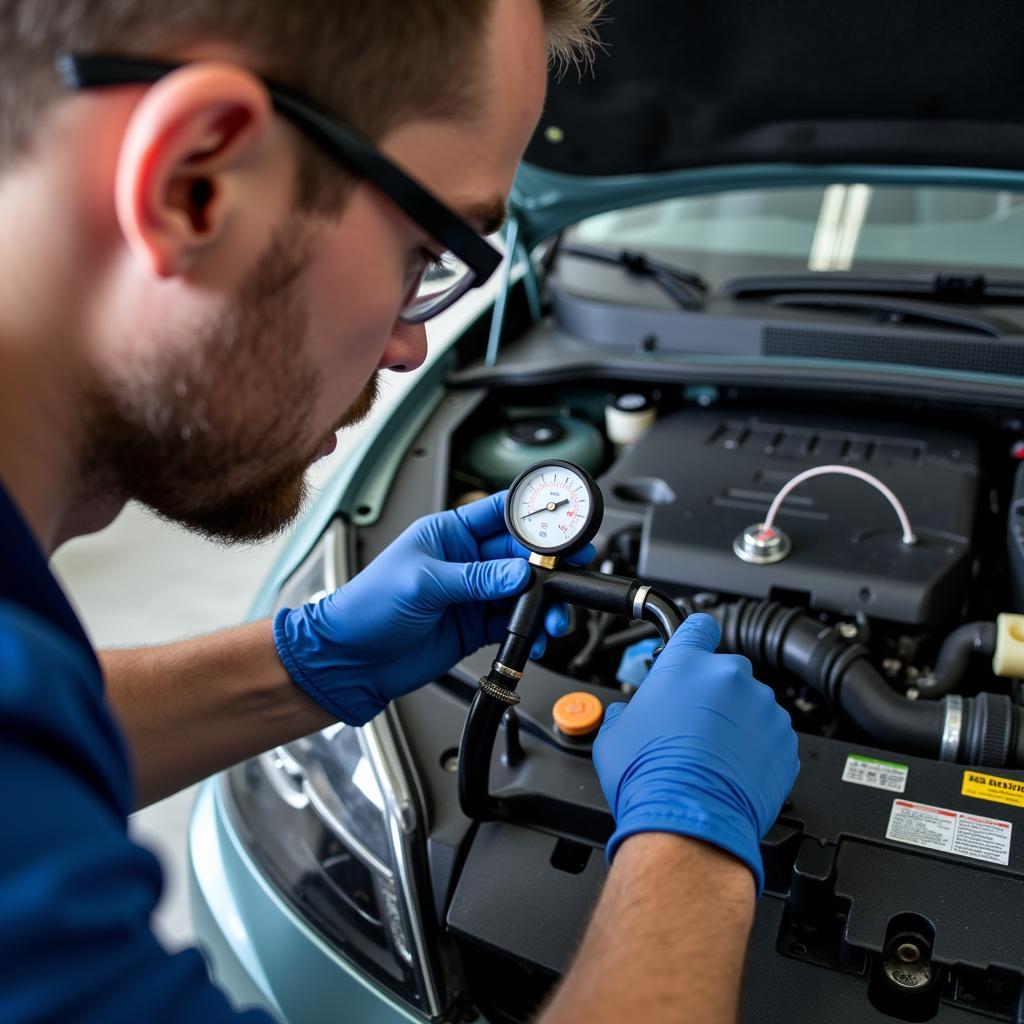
(440, 591)
(702, 750)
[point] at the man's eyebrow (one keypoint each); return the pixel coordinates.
(487, 216)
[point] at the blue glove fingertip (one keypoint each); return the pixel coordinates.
(700, 632)
(484, 516)
(611, 713)
(556, 621)
(490, 581)
(516, 573)
(583, 557)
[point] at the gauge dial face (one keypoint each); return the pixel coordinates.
(551, 508)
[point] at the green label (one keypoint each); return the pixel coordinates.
(870, 771)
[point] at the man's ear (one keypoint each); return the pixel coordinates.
(189, 152)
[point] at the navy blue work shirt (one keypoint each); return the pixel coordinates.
(76, 895)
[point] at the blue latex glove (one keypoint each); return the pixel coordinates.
(701, 750)
(423, 604)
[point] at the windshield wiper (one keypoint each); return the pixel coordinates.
(888, 309)
(683, 286)
(946, 286)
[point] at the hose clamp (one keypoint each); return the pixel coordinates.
(509, 697)
(952, 727)
(639, 599)
(511, 673)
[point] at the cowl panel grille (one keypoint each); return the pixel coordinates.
(1005, 358)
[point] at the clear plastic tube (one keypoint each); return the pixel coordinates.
(909, 537)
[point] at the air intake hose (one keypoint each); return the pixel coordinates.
(983, 730)
(955, 656)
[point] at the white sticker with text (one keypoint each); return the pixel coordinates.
(937, 828)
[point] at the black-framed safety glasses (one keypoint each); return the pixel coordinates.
(468, 261)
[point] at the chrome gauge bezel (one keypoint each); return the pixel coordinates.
(591, 525)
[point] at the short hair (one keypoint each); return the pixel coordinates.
(375, 63)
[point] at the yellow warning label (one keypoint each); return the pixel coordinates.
(994, 788)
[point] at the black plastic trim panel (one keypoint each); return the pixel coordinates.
(1004, 357)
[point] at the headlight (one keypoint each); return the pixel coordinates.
(333, 822)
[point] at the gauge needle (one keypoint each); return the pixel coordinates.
(549, 507)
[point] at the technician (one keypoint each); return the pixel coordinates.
(195, 294)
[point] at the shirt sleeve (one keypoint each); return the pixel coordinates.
(76, 895)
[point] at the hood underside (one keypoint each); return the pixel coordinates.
(715, 82)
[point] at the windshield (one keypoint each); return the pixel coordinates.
(887, 229)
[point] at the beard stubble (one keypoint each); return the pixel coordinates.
(214, 434)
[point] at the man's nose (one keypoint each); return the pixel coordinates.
(406, 348)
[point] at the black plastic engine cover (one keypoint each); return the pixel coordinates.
(839, 886)
(701, 477)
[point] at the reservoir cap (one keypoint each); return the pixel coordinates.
(577, 713)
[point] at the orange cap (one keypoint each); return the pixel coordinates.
(577, 713)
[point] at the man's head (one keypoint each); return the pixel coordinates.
(229, 291)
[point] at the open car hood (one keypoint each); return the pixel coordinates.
(795, 93)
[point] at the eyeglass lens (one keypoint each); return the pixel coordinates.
(436, 288)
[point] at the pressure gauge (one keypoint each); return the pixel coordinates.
(553, 508)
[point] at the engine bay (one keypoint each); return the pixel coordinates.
(894, 872)
(683, 489)
(860, 876)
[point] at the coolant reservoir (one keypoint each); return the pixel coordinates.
(628, 417)
(499, 456)
(1008, 660)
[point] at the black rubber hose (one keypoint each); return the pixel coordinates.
(580, 666)
(662, 613)
(992, 727)
(486, 709)
(628, 636)
(613, 594)
(889, 719)
(599, 591)
(954, 657)
(478, 734)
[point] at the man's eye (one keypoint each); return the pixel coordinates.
(422, 261)
(429, 274)
(432, 262)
